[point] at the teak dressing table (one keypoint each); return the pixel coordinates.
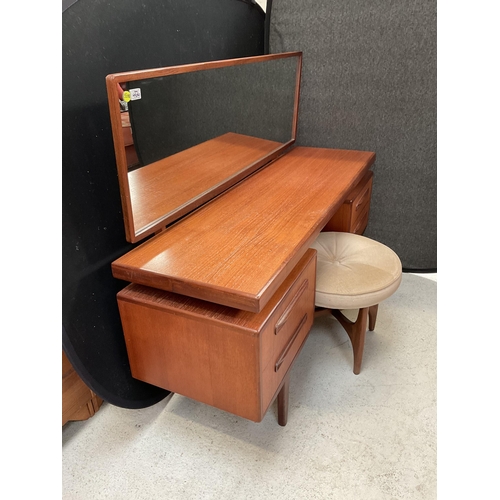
(221, 294)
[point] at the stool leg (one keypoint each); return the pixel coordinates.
(372, 317)
(321, 311)
(283, 401)
(356, 331)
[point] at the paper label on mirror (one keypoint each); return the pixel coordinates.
(135, 94)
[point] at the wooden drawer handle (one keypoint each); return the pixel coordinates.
(286, 313)
(289, 345)
(362, 199)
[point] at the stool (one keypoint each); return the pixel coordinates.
(354, 272)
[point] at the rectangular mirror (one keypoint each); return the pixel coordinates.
(184, 134)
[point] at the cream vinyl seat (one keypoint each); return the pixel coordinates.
(354, 272)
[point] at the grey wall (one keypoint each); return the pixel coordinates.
(369, 83)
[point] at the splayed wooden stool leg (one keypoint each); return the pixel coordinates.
(356, 331)
(372, 317)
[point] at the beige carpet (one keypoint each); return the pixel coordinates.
(370, 436)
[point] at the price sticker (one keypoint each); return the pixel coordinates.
(135, 94)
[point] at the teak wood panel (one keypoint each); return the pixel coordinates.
(231, 359)
(173, 184)
(237, 249)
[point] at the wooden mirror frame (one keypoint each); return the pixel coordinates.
(112, 83)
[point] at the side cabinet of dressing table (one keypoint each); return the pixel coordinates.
(221, 298)
(352, 216)
(232, 359)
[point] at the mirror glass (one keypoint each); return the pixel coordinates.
(185, 134)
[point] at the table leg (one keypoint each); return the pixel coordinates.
(283, 401)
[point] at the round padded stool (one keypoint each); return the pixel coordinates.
(354, 272)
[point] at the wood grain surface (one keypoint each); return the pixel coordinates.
(237, 249)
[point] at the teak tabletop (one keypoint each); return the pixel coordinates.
(237, 249)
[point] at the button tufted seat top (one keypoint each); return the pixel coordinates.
(354, 271)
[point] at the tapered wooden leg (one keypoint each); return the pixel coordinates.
(372, 317)
(357, 332)
(283, 401)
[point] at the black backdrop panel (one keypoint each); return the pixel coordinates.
(180, 111)
(369, 83)
(101, 37)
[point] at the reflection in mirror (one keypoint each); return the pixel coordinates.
(185, 134)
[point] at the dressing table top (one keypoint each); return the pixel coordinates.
(237, 249)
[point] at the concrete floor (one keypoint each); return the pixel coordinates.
(370, 436)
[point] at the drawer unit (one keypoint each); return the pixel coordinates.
(231, 359)
(352, 216)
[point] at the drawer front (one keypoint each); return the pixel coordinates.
(363, 199)
(361, 208)
(287, 331)
(286, 355)
(361, 222)
(293, 317)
